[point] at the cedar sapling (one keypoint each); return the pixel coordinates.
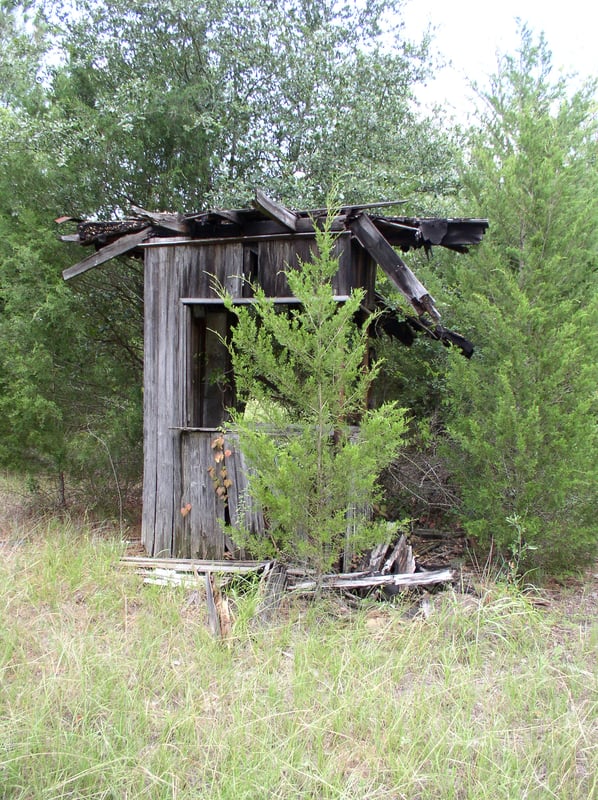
(301, 377)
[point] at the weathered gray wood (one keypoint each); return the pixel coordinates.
(401, 559)
(194, 565)
(275, 210)
(117, 248)
(172, 273)
(151, 376)
(361, 581)
(167, 220)
(200, 533)
(167, 577)
(377, 555)
(213, 616)
(273, 586)
(278, 256)
(163, 402)
(243, 510)
(393, 265)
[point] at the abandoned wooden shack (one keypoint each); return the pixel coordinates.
(188, 386)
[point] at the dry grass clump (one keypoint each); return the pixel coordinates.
(113, 689)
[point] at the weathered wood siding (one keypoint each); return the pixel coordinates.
(274, 256)
(181, 389)
(201, 532)
(172, 273)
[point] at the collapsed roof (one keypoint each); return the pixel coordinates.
(378, 235)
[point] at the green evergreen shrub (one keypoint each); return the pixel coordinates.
(522, 414)
(304, 367)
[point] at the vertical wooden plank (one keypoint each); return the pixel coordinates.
(151, 382)
(233, 269)
(343, 281)
(202, 534)
(363, 272)
(270, 263)
(163, 400)
(243, 511)
(166, 413)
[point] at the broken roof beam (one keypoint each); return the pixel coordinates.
(413, 232)
(163, 219)
(117, 248)
(393, 265)
(348, 209)
(275, 210)
(463, 233)
(230, 216)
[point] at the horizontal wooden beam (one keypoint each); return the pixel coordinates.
(193, 565)
(261, 232)
(163, 219)
(244, 301)
(364, 581)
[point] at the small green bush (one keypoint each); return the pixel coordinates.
(313, 471)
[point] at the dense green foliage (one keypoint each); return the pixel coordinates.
(303, 369)
(522, 417)
(178, 105)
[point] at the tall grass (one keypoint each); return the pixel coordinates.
(113, 689)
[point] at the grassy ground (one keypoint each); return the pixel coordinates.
(114, 689)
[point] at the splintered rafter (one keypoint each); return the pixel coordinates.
(393, 265)
(116, 248)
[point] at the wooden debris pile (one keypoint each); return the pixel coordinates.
(389, 570)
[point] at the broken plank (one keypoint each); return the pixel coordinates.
(272, 588)
(167, 577)
(401, 558)
(275, 210)
(213, 617)
(193, 564)
(117, 248)
(377, 555)
(163, 219)
(393, 265)
(346, 581)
